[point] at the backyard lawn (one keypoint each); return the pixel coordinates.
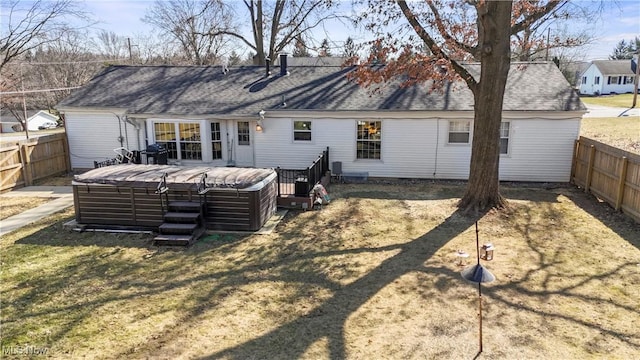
(372, 275)
(619, 100)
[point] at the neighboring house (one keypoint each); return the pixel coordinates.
(605, 77)
(240, 116)
(37, 121)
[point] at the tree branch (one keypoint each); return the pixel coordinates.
(536, 15)
(435, 49)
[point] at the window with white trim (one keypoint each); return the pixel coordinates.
(369, 139)
(628, 79)
(613, 80)
(182, 140)
(302, 131)
(244, 133)
(459, 132)
(216, 141)
(505, 127)
(596, 81)
(584, 80)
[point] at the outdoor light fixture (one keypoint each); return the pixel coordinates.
(487, 252)
(259, 124)
(478, 274)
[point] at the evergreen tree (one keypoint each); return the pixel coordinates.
(623, 50)
(324, 50)
(350, 50)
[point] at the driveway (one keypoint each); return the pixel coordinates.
(606, 111)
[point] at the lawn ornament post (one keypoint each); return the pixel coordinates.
(478, 274)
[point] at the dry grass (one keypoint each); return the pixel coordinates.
(58, 180)
(10, 206)
(620, 100)
(372, 275)
(621, 132)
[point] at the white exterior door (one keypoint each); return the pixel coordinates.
(243, 140)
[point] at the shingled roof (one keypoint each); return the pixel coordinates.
(244, 91)
(614, 67)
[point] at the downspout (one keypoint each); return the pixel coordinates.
(435, 165)
(136, 126)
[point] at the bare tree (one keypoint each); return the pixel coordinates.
(111, 45)
(196, 26)
(276, 25)
(551, 32)
(29, 24)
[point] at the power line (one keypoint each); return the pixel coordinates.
(73, 62)
(36, 91)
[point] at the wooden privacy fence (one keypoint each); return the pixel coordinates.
(609, 173)
(25, 161)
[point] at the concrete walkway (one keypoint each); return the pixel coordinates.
(64, 199)
(607, 111)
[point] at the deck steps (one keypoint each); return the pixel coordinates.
(183, 224)
(182, 217)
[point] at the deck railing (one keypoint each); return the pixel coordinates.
(300, 181)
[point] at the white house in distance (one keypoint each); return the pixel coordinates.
(284, 117)
(38, 121)
(605, 77)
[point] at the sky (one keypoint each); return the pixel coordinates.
(620, 20)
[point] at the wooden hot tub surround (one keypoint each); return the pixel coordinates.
(241, 199)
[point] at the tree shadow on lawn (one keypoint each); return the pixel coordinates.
(578, 278)
(328, 320)
(617, 221)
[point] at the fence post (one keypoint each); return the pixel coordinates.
(574, 161)
(26, 163)
(278, 179)
(592, 155)
(621, 183)
(67, 152)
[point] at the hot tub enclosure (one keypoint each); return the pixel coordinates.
(125, 195)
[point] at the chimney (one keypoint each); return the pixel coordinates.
(268, 62)
(283, 65)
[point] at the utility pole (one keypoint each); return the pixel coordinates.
(546, 56)
(24, 103)
(130, 55)
(635, 80)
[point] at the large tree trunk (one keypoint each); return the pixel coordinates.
(494, 32)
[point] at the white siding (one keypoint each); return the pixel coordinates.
(591, 87)
(453, 159)
(540, 150)
(93, 136)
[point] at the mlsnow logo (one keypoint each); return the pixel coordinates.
(29, 350)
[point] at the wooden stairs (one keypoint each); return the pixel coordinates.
(183, 224)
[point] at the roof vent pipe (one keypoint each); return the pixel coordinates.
(268, 63)
(283, 65)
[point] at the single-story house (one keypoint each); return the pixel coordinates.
(285, 116)
(36, 121)
(605, 77)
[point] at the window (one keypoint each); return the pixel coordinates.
(182, 140)
(368, 141)
(613, 80)
(302, 131)
(190, 146)
(596, 81)
(165, 135)
(629, 79)
(243, 133)
(584, 80)
(459, 132)
(504, 137)
(216, 141)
